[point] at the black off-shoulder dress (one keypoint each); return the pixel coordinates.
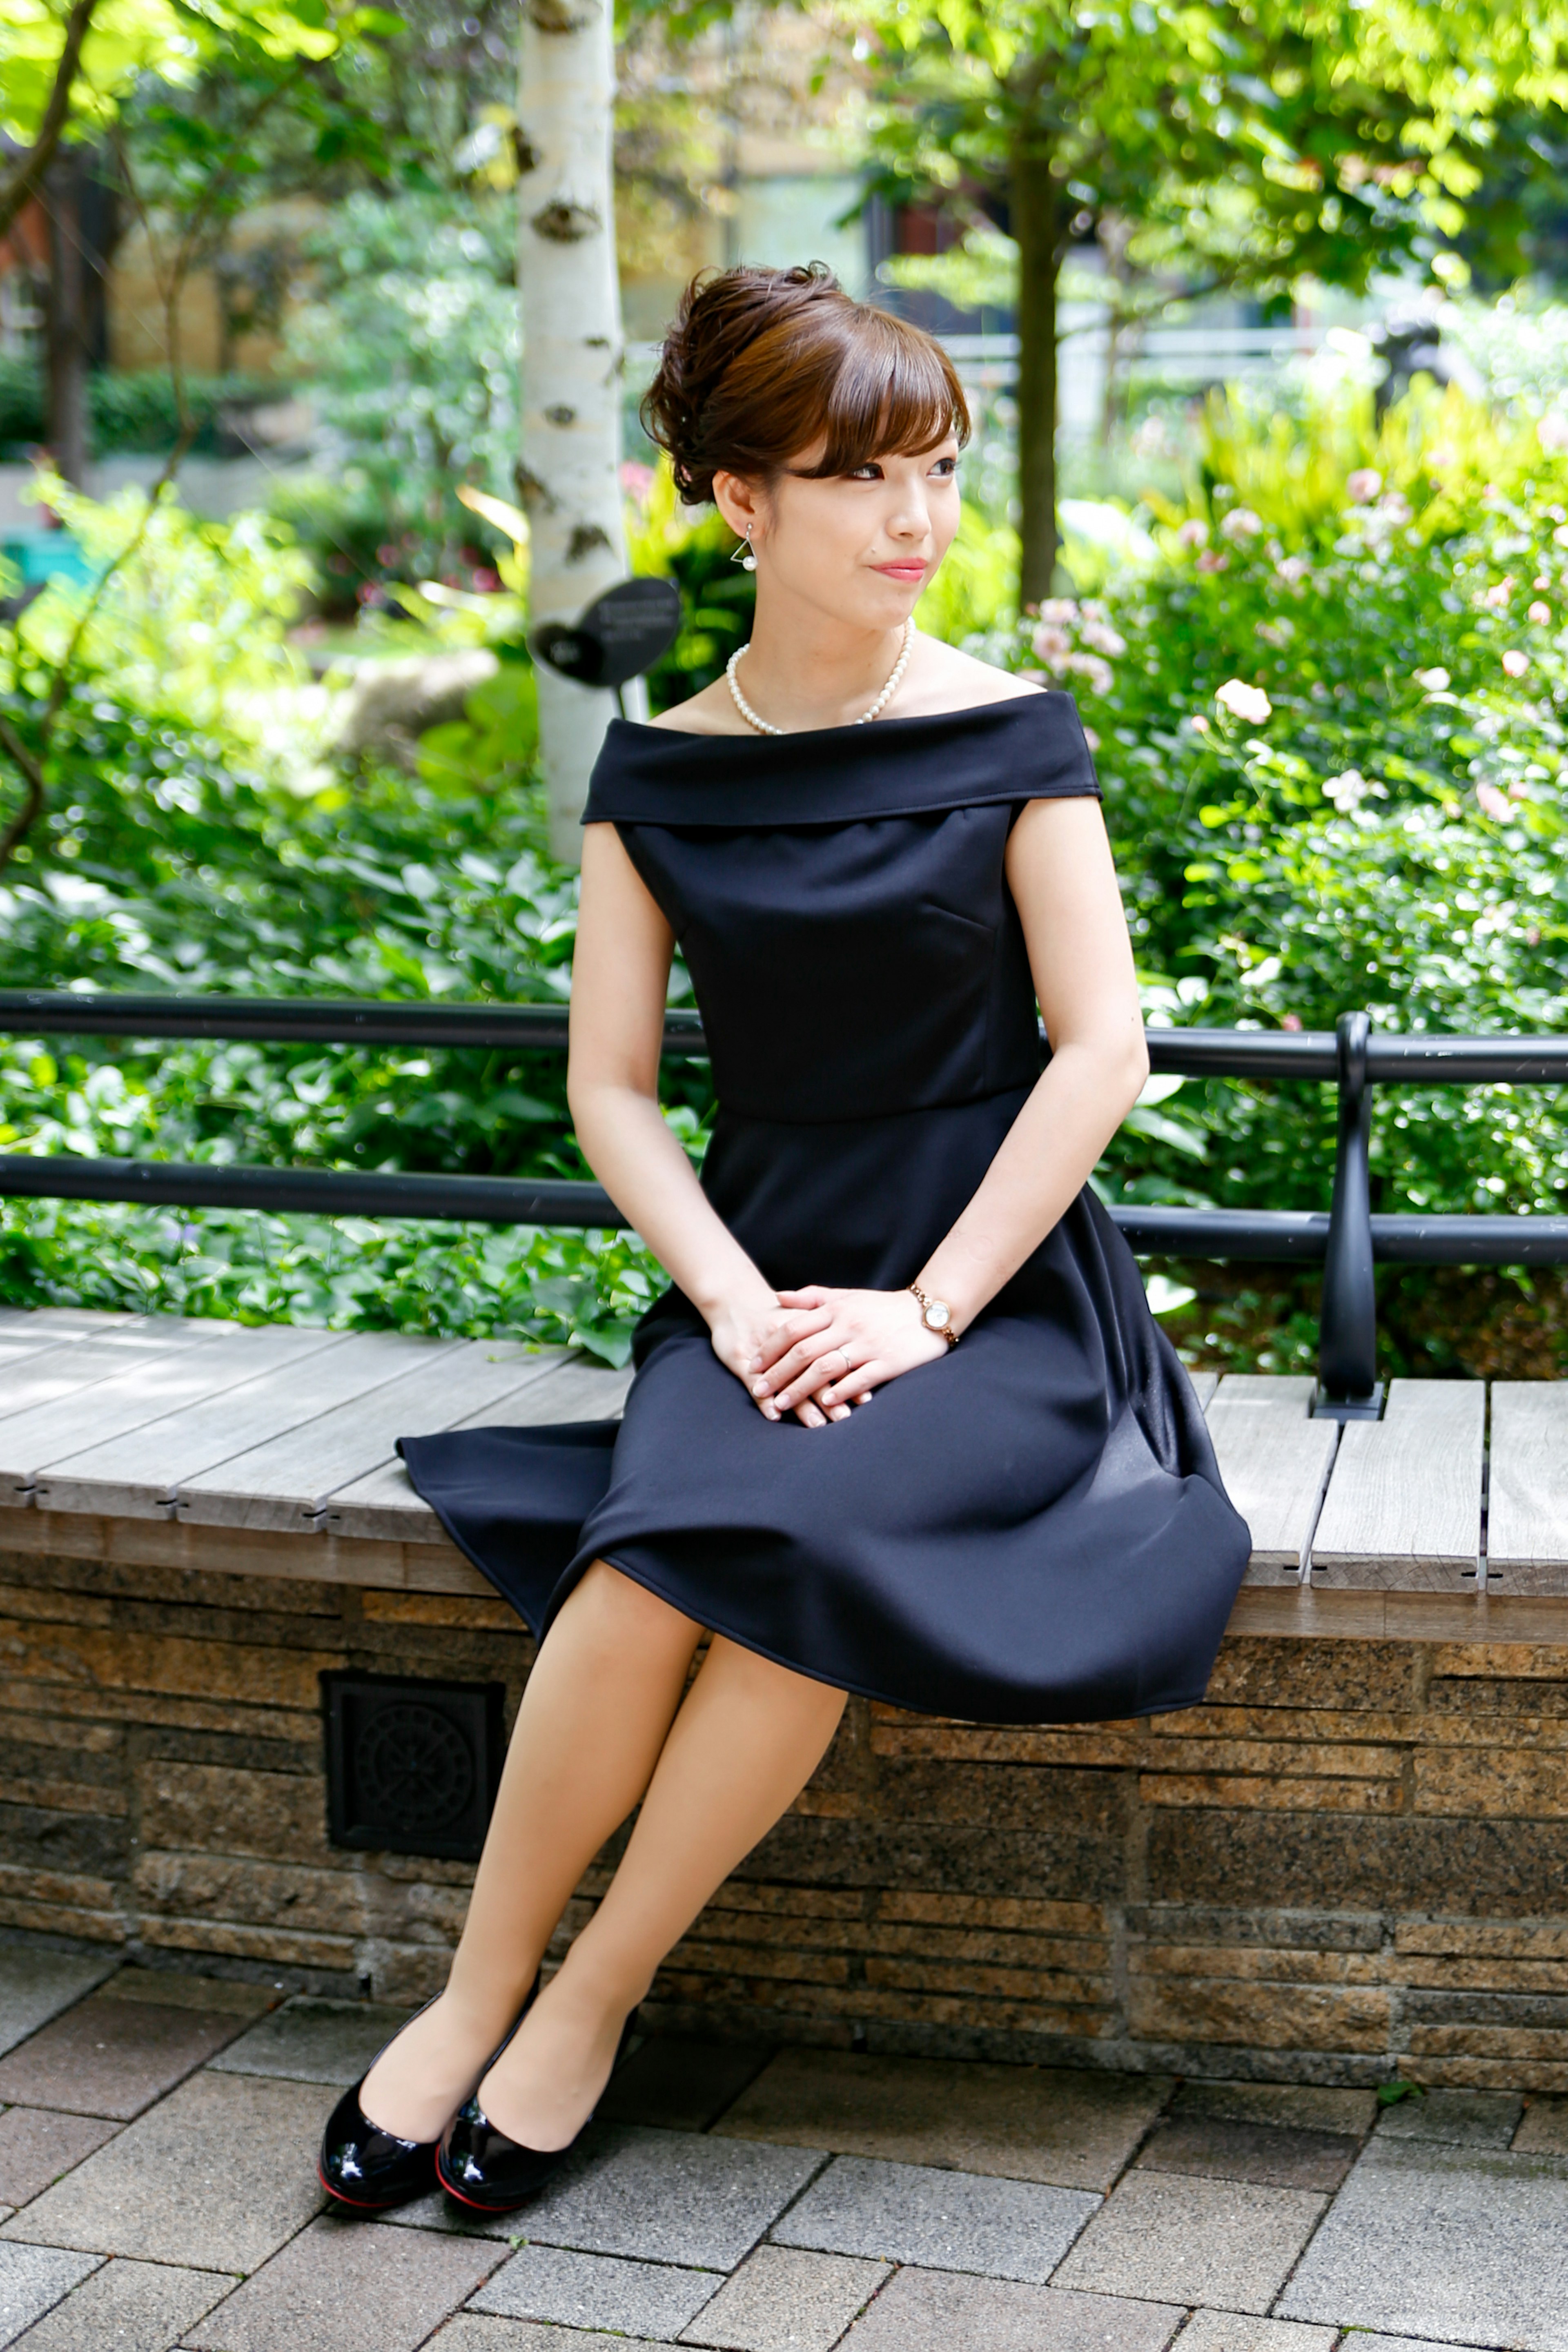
(1031, 1530)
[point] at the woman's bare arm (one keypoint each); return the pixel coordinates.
(620, 974)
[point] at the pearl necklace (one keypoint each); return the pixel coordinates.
(894, 681)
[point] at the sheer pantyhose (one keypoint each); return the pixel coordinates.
(602, 1725)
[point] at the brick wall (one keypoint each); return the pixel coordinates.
(1352, 1860)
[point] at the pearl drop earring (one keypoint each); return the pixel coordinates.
(748, 563)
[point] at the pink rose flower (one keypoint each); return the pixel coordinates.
(1539, 614)
(1515, 663)
(1363, 484)
(1494, 803)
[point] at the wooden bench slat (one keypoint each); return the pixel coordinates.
(48, 1324)
(40, 1374)
(45, 1391)
(135, 1475)
(1527, 1519)
(286, 1482)
(27, 1349)
(192, 1362)
(1404, 1505)
(1274, 1460)
(384, 1505)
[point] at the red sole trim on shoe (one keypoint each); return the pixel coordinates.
(353, 2204)
(469, 2202)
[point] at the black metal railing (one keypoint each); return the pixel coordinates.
(1348, 1242)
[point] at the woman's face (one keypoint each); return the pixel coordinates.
(859, 547)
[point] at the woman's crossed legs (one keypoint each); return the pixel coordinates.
(602, 1725)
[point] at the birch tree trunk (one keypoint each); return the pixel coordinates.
(569, 479)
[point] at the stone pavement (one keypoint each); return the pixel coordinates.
(156, 2169)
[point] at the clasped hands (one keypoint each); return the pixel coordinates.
(815, 1352)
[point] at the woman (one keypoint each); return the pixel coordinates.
(903, 1424)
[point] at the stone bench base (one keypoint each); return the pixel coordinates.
(1351, 1861)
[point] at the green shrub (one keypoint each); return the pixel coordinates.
(136, 414)
(195, 841)
(1391, 834)
(411, 345)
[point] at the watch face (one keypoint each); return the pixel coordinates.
(939, 1315)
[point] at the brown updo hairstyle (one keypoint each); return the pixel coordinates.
(759, 365)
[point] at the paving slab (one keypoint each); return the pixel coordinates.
(32, 2278)
(128, 2306)
(36, 1986)
(1222, 2243)
(941, 2220)
(783, 2300)
(340, 2288)
(170, 1989)
(1542, 2132)
(596, 2290)
(215, 2178)
(679, 2084)
(1467, 2245)
(1066, 2126)
(313, 2042)
(109, 2057)
(38, 2145)
(1360, 2341)
(1237, 2331)
(471, 2332)
(1461, 2118)
(653, 2196)
(1357, 2340)
(1289, 2106)
(934, 2311)
(1219, 2149)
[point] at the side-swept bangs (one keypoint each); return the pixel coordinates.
(763, 368)
(886, 390)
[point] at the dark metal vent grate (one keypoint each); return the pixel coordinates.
(412, 1766)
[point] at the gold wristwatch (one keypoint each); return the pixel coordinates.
(936, 1315)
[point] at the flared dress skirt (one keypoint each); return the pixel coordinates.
(1032, 1528)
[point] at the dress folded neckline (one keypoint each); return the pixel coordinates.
(822, 775)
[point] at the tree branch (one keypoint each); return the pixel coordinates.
(32, 805)
(22, 180)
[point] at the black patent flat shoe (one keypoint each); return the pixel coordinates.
(366, 2170)
(478, 2166)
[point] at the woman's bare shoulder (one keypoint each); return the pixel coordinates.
(710, 712)
(950, 679)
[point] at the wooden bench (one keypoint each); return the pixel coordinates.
(1352, 1857)
(287, 1432)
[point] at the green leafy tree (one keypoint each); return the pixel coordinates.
(1245, 143)
(72, 76)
